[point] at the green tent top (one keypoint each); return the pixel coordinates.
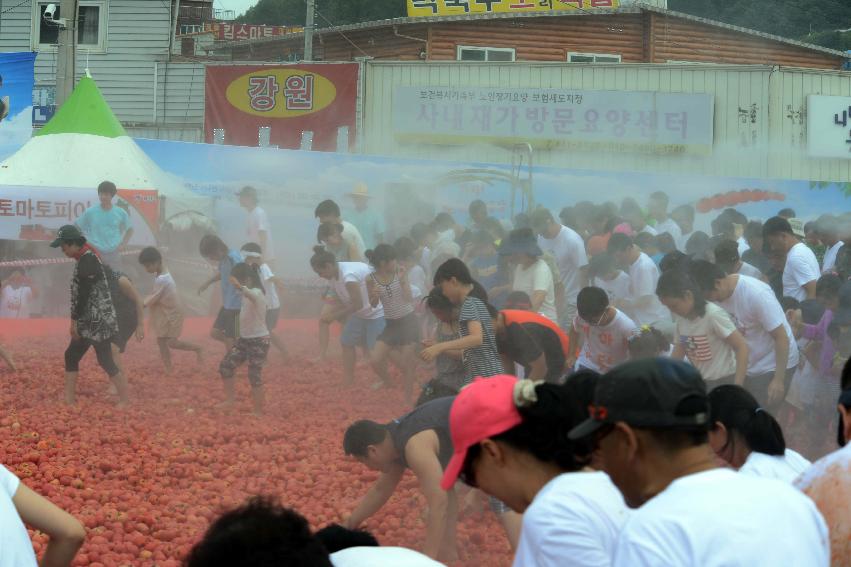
(85, 112)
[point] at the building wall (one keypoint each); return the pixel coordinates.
(134, 64)
(772, 145)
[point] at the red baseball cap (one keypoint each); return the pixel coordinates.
(483, 409)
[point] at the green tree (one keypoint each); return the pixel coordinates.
(329, 12)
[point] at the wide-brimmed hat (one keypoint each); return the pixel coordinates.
(360, 190)
(66, 233)
(520, 242)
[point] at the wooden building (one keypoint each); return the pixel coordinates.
(630, 34)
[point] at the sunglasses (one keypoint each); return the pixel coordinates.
(468, 473)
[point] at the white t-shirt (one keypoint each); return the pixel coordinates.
(568, 249)
(830, 257)
(801, 268)
(755, 311)
(15, 303)
(16, 550)
(743, 245)
(703, 341)
(537, 277)
(720, 518)
(165, 292)
(417, 278)
(574, 520)
(272, 299)
(668, 225)
(786, 468)
(828, 484)
(356, 272)
(607, 346)
(252, 316)
(750, 270)
(617, 288)
(643, 277)
(681, 243)
(258, 221)
(351, 236)
(649, 230)
(381, 557)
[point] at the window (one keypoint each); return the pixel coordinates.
(188, 28)
(91, 26)
(467, 53)
(593, 58)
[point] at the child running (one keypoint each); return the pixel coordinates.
(705, 332)
(163, 305)
(252, 343)
(390, 286)
(273, 286)
(599, 332)
(214, 249)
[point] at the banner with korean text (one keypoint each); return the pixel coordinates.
(643, 121)
(282, 105)
(461, 7)
(829, 126)
(34, 213)
(229, 31)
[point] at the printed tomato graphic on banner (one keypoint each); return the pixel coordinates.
(281, 93)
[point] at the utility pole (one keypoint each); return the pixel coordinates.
(66, 56)
(308, 31)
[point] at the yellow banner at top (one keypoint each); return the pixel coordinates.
(461, 7)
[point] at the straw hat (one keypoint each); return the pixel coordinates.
(360, 190)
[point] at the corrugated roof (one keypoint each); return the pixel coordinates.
(631, 9)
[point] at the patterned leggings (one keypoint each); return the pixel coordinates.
(252, 350)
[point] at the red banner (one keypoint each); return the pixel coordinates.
(288, 99)
(226, 31)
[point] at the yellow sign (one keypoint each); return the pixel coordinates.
(462, 7)
(281, 93)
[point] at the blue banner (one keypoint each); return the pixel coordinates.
(16, 98)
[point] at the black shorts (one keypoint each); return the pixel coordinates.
(126, 328)
(226, 321)
(401, 332)
(272, 316)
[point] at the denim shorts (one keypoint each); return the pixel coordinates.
(361, 332)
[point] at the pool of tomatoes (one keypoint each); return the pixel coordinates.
(147, 481)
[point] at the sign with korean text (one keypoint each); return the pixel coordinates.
(829, 126)
(285, 100)
(229, 31)
(554, 116)
(34, 213)
(461, 7)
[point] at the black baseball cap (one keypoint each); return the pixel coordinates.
(65, 233)
(653, 393)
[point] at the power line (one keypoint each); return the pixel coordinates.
(18, 5)
(332, 25)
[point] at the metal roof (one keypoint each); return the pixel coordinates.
(631, 9)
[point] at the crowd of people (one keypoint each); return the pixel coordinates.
(615, 384)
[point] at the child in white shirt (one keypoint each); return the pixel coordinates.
(274, 288)
(600, 332)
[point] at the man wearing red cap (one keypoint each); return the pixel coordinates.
(420, 441)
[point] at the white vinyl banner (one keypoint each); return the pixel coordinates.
(829, 126)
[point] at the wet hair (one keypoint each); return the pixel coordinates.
(477, 206)
(548, 420)
(740, 413)
(723, 226)
(788, 303)
(828, 286)
(150, 255)
(697, 245)
(647, 342)
(518, 300)
(453, 268)
(675, 283)
(251, 247)
(246, 273)
(600, 264)
(436, 301)
(776, 225)
(665, 243)
(261, 533)
(735, 216)
(591, 303)
(618, 242)
(705, 274)
(381, 254)
(335, 537)
(675, 260)
(210, 243)
(405, 248)
(810, 226)
(362, 434)
(327, 208)
(787, 213)
(726, 252)
(811, 311)
(321, 257)
(645, 241)
(107, 187)
(327, 229)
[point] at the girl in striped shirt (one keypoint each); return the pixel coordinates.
(389, 285)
